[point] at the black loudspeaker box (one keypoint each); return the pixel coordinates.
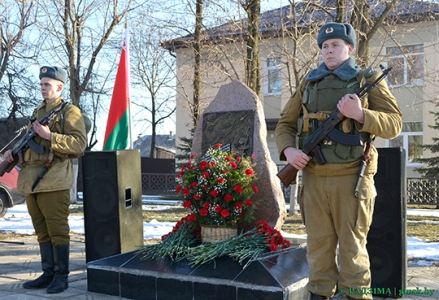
(113, 221)
(386, 241)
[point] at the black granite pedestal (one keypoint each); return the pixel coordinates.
(275, 276)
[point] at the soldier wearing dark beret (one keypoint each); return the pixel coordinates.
(333, 214)
(48, 196)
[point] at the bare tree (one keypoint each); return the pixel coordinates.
(16, 54)
(366, 26)
(78, 35)
(253, 9)
(152, 69)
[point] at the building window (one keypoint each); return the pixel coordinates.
(411, 140)
(407, 64)
(274, 76)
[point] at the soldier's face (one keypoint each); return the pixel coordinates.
(335, 52)
(50, 88)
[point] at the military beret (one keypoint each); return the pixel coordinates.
(334, 30)
(53, 72)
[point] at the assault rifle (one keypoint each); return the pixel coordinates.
(312, 145)
(28, 141)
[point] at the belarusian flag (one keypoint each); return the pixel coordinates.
(117, 131)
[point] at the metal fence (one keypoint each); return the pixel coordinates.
(419, 190)
(422, 191)
(158, 183)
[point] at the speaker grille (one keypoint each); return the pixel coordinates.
(112, 203)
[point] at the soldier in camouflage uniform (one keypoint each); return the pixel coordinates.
(332, 214)
(48, 199)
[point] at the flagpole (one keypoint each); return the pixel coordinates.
(127, 39)
(118, 129)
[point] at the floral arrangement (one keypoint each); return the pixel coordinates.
(218, 187)
(183, 243)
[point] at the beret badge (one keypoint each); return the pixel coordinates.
(329, 30)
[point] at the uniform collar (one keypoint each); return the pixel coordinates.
(55, 103)
(345, 72)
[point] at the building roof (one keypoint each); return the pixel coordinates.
(166, 142)
(309, 14)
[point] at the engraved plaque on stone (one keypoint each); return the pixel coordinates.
(233, 127)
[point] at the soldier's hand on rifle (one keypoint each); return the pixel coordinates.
(296, 158)
(8, 156)
(350, 107)
(42, 130)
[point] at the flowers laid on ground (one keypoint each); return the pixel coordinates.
(248, 245)
(183, 243)
(218, 187)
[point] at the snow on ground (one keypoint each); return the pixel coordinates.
(17, 220)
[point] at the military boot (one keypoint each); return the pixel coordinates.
(60, 282)
(47, 264)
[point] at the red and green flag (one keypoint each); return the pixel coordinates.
(118, 124)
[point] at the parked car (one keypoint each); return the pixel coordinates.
(9, 196)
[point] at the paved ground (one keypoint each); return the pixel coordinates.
(20, 261)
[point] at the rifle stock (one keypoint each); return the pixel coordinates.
(288, 174)
(4, 165)
(311, 145)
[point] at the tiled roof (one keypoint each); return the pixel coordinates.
(308, 14)
(162, 141)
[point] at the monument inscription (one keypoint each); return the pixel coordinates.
(232, 127)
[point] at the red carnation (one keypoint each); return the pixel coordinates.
(187, 204)
(255, 188)
(205, 174)
(237, 188)
(192, 217)
(248, 202)
(238, 205)
(218, 145)
(218, 208)
(194, 184)
(225, 213)
(227, 158)
(203, 165)
(186, 191)
(178, 188)
(233, 165)
(273, 247)
(206, 204)
(220, 180)
(228, 197)
(213, 164)
(197, 197)
(249, 172)
(238, 158)
(214, 193)
(204, 212)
